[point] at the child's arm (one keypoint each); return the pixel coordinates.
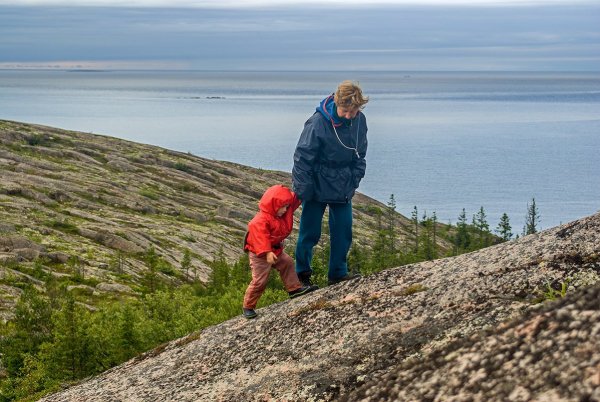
(295, 203)
(289, 214)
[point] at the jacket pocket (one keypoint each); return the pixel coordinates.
(334, 184)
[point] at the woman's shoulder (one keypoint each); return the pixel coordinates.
(317, 121)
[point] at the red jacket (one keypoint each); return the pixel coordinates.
(266, 230)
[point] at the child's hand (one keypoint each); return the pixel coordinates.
(271, 258)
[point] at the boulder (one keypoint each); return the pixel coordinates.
(113, 288)
(15, 242)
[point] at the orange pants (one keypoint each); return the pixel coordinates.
(260, 276)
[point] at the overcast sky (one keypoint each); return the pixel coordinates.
(314, 35)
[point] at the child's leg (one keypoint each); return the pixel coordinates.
(260, 276)
(285, 266)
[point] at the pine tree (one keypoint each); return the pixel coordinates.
(29, 329)
(186, 262)
(391, 211)
(128, 342)
(379, 248)
(356, 259)
(434, 233)
(76, 266)
(117, 262)
(415, 220)
(151, 276)
(71, 352)
(482, 226)
(220, 272)
(532, 219)
(427, 248)
(462, 239)
(504, 228)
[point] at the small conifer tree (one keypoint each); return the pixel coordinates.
(415, 221)
(482, 226)
(532, 219)
(504, 228)
(462, 239)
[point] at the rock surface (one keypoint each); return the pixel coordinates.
(458, 329)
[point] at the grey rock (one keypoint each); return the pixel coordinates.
(15, 242)
(377, 339)
(28, 254)
(113, 288)
(57, 256)
(110, 240)
(81, 288)
(7, 228)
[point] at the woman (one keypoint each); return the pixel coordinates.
(329, 163)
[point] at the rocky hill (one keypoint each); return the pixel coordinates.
(468, 328)
(89, 206)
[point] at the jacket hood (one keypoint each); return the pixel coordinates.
(328, 108)
(274, 198)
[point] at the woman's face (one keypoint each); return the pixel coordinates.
(347, 112)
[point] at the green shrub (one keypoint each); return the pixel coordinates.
(183, 167)
(62, 225)
(37, 139)
(149, 193)
(550, 292)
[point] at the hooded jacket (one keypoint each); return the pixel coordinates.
(266, 231)
(327, 168)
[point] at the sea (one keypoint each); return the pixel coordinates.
(440, 141)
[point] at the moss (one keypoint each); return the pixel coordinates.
(319, 304)
(62, 225)
(412, 289)
(188, 339)
(149, 193)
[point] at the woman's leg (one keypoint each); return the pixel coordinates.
(308, 235)
(340, 230)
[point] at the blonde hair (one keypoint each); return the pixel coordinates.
(349, 95)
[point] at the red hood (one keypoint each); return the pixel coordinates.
(274, 198)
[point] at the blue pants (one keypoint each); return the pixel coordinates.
(340, 231)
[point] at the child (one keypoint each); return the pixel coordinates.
(264, 243)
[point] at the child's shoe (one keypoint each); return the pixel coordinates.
(249, 313)
(302, 291)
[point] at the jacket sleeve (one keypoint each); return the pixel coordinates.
(295, 203)
(259, 239)
(289, 214)
(360, 166)
(305, 158)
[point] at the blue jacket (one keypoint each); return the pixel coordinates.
(328, 169)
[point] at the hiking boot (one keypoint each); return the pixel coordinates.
(305, 280)
(302, 291)
(343, 279)
(249, 313)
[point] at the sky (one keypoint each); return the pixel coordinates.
(350, 35)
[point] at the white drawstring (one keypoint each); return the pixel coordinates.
(344, 145)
